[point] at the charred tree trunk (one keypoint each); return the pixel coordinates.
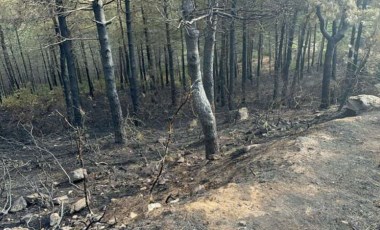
(108, 69)
(288, 60)
(151, 66)
(244, 62)
(332, 41)
(223, 68)
(208, 57)
(95, 63)
(201, 103)
(132, 58)
(232, 60)
(314, 45)
(11, 76)
(170, 55)
(70, 61)
(184, 83)
(278, 65)
(296, 76)
(259, 64)
(89, 80)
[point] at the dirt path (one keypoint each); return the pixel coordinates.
(328, 179)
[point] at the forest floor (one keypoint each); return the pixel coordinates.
(283, 169)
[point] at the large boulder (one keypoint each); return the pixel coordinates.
(362, 103)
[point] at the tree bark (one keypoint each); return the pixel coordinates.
(201, 103)
(151, 66)
(232, 59)
(170, 55)
(244, 62)
(288, 60)
(89, 80)
(11, 76)
(259, 64)
(208, 56)
(108, 69)
(332, 41)
(184, 83)
(132, 58)
(223, 68)
(67, 47)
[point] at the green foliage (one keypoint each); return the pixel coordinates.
(25, 99)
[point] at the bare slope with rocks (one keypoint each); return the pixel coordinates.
(300, 170)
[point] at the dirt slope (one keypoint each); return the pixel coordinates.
(324, 177)
(327, 179)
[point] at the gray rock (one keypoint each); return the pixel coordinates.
(243, 114)
(54, 219)
(40, 199)
(61, 199)
(36, 198)
(133, 215)
(78, 206)
(242, 223)
(19, 204)
(362, 103)
(153, 206)
(66, 228)
(78, 174)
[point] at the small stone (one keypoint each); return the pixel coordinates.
(133, 215)
(54, 219)
(60, 200)
(66, 228)
(181, 159)
(19, 204)
(199, 189)
(112, 221)
(162, 140)
(36, 198)
(78, 174)
(162, 181)
(78, 206)
(345, 222)
(243, 114)
(153, 206)
(74, 217)
(174, 201)
(242, 223)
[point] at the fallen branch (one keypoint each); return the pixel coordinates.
(170, 131)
